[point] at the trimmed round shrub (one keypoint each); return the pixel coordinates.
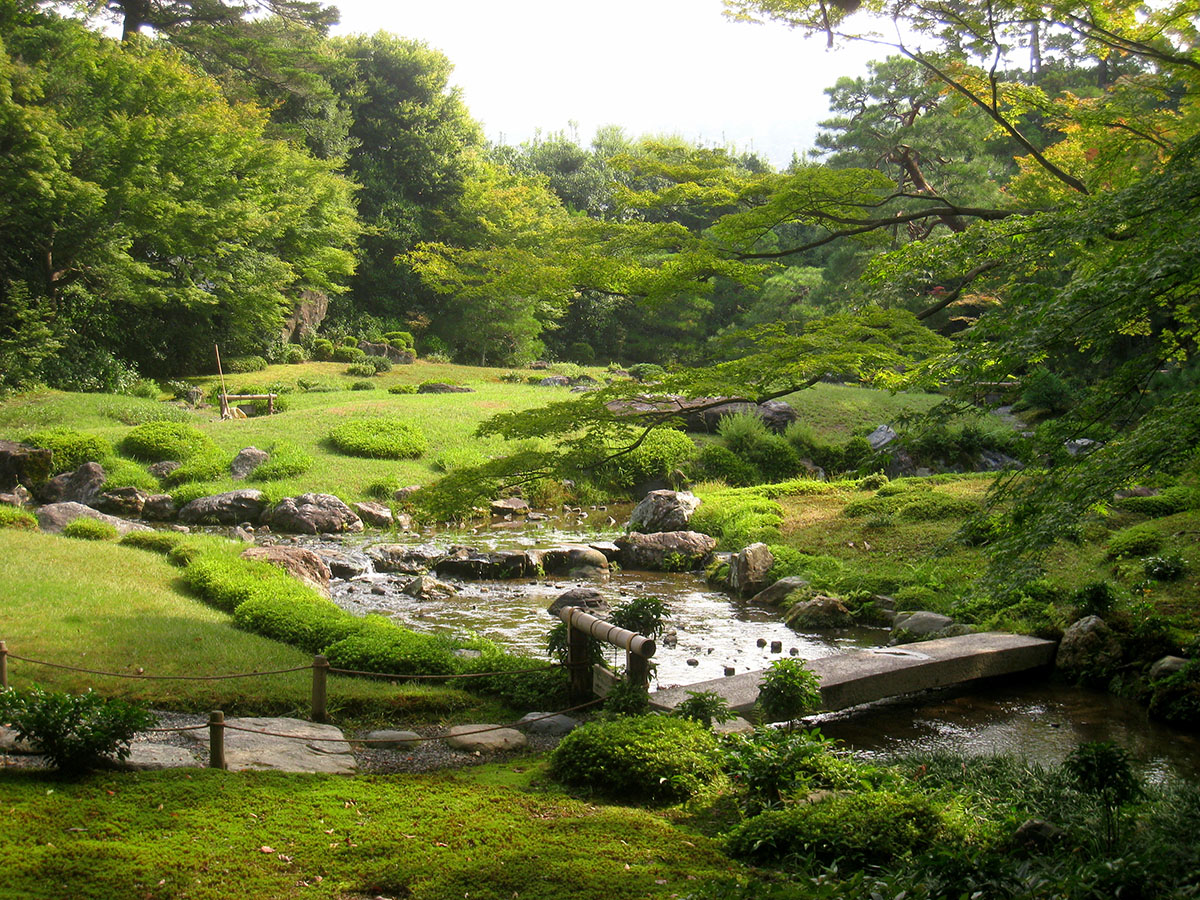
(379, 438)
(1138, 540)
(638, 758)
(662, 452)
(379, 363)
(1170, 501)
(856, 829)
(380, 645)
(402, 389)
(11, 517)
(211, 465)
(71, 448)
(124, 473)
(240, 365)
(144, 388)
(362, 386)
(582, 352)
(156, 441)
(155, 541)
(284, 460)
(361, 370)
(294, 354)
(646, 371)
(348, 355)
(349, 341)
(90, 530)
(934, 508)
(401, 340)
(322, 350)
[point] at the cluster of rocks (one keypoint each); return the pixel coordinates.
(703, 414)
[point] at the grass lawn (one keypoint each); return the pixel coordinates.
(103, 606)
(207, 834)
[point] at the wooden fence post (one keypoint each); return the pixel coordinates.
(637, 669)
(216, 739)
(320, 669)
(3, 666)
(578, 642)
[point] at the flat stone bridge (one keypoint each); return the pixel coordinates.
(863, 676)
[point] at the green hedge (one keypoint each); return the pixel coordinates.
(11, 517)
(71, 448)
(379, 438)
(284, 460)
(158, 441)
(90, 530)
(301, 618)
(1170, 501)
(380, 645)
(155, 541)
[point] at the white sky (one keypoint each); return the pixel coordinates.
(651, 66)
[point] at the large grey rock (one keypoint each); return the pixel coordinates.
(426, 587)
(555, 381)
(164, 468)
(775, 414)
(485, 738)
(663, 511)
(921, 622)
(881, 437)
(408, 559)
(780, 590)
(313, 514)
(127, 501)
(545, 723)
(22, 464)
(297, 752)
(405, 494)
(565, 560)
(81, 486)
(387, 351)
(667, 550)
(147, 757)
(391, 739)
(589, 600)
(510, 506)
(748, 569)
(298, 562)
(159, 508)
(819, 613)
(1089, 645)
(1166, 667)
(54, 517)
(307, 316)
(247, 460)
(230, 508)
(471, 565)
(374, 514)
(345, 564)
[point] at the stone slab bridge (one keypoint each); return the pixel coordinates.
(863, 676)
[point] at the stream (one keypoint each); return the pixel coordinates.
(714, 632)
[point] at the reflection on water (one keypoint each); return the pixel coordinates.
(1042, 722)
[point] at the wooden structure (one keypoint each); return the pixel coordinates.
(580, 627)
(225, 398)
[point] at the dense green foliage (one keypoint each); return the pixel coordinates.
(71, 448)
(379, 438)
(88, 529)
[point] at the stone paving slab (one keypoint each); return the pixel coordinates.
(863, 676)
(296, 753)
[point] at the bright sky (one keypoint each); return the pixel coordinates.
(651, 66)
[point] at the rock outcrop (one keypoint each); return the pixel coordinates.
(663, 511)
(302, 564)
(230, 508)
(313, 514)
(674, 551)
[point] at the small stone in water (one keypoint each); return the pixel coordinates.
(730, 670)
(761, 642)
(793, 652)
(776, 646)
(693, 662)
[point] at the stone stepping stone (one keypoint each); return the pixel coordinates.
(556, 725)
(474, 738)
(389, 739)
(151, 757)
(295, 753)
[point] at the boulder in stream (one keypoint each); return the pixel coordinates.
(299, 562)
(669, 551)
(230, 508)
(663, 511)
(314, 514)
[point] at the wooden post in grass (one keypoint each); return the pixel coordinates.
(320, 669)
(3, 666)
(216, 739)
(579, 664)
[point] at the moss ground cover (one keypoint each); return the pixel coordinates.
(214, 835)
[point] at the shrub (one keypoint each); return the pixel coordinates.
(810, 445)
(379, 438)
(935, 508)
(284, 460)
(348, 355)
(71, 448)
(155, 541)
(293, 354)
(719, 463)
(513, 377)
(644, 615)
(210, 465)
(380, 645)
(74, 732)
(582, 352)
(738, 517)
(227, 582)
(661, 453)
(139, 412)
(626, 698)
(772, 764)
(240, 365)
(157, 441)
(704, 707)
(1045, 391)
(457, 458)
(124, 473)
(644, 372)
(638, 759)
(322, 350)
(1176, 698)
(88, 529)
(1164, 568)
(1170, 501)
(1135, 541)
(361, 386)
(144, 388)
(1094, 599)
(12, 517)
(379, 364)
(402, 389)
(361, 370)
(873, 482)
(349, 341)
(788, 691)
(855, 830)
(310, 386)
(303, 619)
(401, 340)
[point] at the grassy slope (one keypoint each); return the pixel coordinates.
(206, 834)
(102, 606)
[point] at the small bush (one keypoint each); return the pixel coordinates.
(644, 372)
(788, 691)
(379, 438)
(74, 733)
(294, 354)
(873, 482)
(582, 352)
(144, 388)
(88, 529)
(157, 441)
(210, 465)
(1095, 599)
(361, 386)
(380, 645)
(12, 517)
(855, 830)
(935, 508)
(704, 707)
(718, 463)
(402, 389)
(125, 473)
(772, 764)
(626, 698)
(322, 350)
(361, 370)
(284, 460)
(304, 619)
(348, 355)
(155, 541)
(240, 365)
(513, 377)
(312, 386)
(349, 341)
(1170, 501)
(378, 363)
(662, 452)
(401, 340)
(1135, 541)
(1164, 568)
(71, 448)
(638, 759)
